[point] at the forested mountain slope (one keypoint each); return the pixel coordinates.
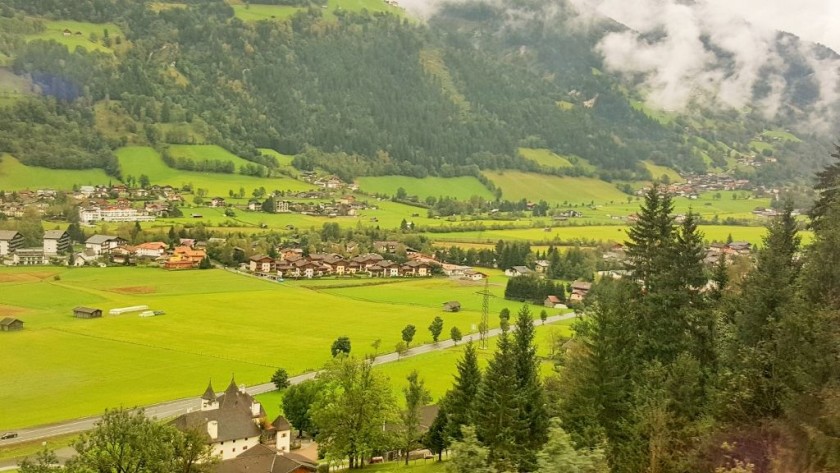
(354, 93)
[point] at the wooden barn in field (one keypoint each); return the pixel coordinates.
(86, 313)
(10, 324)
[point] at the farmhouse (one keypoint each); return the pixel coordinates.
(474, 275)
(518, 271)
(451, 306)
(541, 266)
(86, 313)
(10, 324)
(10, 241)
(56, 242)
(103, 244)
(552, 302)
(154, 249)
(579, 290)
(261, 264)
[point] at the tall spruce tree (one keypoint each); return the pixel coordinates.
(650, 237)
(533, 416)
(753, 379)
(460, 401)
(828, 186)
(498, 422)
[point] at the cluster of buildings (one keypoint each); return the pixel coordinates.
(328, 182)
(117, 250)
(120, 212)
(12, 251)
(293, 264)
(236, 428)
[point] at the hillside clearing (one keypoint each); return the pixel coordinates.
(545, 157)
(517, 185)
(457, 187)
(14, 175)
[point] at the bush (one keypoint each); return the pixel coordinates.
(280, 379)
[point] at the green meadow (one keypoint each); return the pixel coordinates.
(545, 157)
(597, 233)
(517, 185)
(458, 187)
(55, 32)
(658, 171)
(216, 324)
(253, 12)
(16, 176)
(137, 160)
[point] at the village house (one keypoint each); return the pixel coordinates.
(579, 290)
(10, 241)
(474, 275)
(553, 302)
(152, 249)
(541, 266)
(455, 270)
(103, 244)
(56, 242)
(86, 313)
(10, 324)
(263, 459)
(518, 271)
(217, 202)
(261, 264)
(184, 257)
(387, 246)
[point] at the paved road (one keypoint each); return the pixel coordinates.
(181, 406)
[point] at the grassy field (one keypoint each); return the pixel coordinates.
(658, 171)
(518, 185)
(545, 157)
(782, 135)
(55, 32)
(206, 152)
(16, 176)
(137, 160)
(216, 324)
(252, 12)
(599, 233)
(459, 187)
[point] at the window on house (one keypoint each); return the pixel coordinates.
(234, 450)
(284, 435)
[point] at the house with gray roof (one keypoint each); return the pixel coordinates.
(103, 244)
(263, 459)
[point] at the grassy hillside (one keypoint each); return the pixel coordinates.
(517, 185)
(458, 187)
(545, 157)
(253, 12)
(137, 160)
(206, 152)
(55, 32)
(16, 176)
(658, 171)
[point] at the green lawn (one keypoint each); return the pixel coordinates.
(459, 187)
(55, 31)
(599, 233)
(16, 176)
(137, 160)
(658, 171)
(782, 135)
(518, 185)
(253, 12)
(545, 157)
(216, 323)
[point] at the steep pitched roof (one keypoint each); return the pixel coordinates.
(209, 394)
(100, 239)
(262, 459)
(6, 235)
(54, 234)
(233, 424)
(7, 321)
(280, 423)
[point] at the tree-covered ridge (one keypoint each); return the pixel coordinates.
(367, 94)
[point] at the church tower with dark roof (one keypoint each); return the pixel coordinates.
(208, 399)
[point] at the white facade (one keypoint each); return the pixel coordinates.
(95, 214)
(233, 448)
(283, 441)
